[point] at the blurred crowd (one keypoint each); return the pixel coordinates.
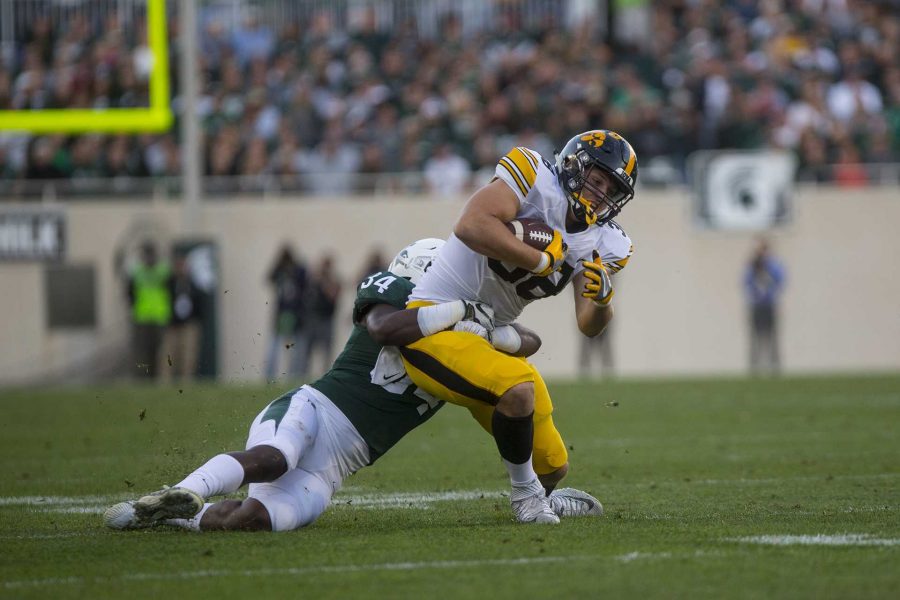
(329, 109)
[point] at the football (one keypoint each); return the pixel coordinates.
(536, 234)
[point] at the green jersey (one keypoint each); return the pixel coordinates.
(380, 416)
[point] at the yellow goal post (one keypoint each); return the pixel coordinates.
(154, 118)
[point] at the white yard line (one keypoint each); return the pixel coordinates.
(348, 568)
(56, 500)
(402, 499)
(52, 536)
(847, 539)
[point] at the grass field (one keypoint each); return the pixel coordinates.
(785, 488)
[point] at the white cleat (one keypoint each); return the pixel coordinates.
(167, 503)
(569, 502)
(121, 516)
(531, 505)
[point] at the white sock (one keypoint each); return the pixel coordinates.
(221, 474)
(193, 523)
(520, 475)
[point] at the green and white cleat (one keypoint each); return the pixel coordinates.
(569, 502)
(167, 503)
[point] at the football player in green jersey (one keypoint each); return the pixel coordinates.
(305, 443)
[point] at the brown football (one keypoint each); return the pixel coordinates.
(536, 234)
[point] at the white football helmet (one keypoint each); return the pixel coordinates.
(414, 260)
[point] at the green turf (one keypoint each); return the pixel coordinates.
(683, 468)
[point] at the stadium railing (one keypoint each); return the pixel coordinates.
(300, 185)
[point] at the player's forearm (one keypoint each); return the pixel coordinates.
(593, 319)
(390, 326)
(482, 226)
(488, 235)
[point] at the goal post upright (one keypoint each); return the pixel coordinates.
(156, 117)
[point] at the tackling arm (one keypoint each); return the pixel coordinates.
(482, 227)
(392, 326)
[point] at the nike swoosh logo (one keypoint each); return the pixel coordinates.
(387, 377)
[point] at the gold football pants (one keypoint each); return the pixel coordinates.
(463, 368)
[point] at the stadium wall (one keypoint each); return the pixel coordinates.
(679, 304)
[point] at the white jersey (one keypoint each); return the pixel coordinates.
(460, 273)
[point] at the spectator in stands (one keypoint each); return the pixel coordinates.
(150, 300)
(252, 39)
(853, 96)
(41, 164)
(447, 173)
(763, 285)
(330, 168)
(321, 303)
(288, 278)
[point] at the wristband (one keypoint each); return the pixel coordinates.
(439, 317)
(506, 339)
(542, 264)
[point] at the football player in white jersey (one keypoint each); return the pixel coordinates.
(578, 196)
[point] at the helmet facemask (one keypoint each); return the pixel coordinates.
(577, 169)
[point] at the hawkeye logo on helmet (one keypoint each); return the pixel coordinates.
(594, 138)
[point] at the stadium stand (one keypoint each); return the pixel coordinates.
(287, 103)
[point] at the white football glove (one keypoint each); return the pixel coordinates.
(473, 327)
(506, 339)
(599, 287)
(479, 312)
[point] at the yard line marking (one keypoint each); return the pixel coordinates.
(56, 500)
(78, 510)
(632, 556)
(847, 539)
(351, 568)
(51, 536)
(96, 504)
(380, 500)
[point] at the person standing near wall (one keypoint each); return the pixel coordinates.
(182, 338)
(600, 345)
(151, 309)
(288, 277)
(324, 290)
(763, 284)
